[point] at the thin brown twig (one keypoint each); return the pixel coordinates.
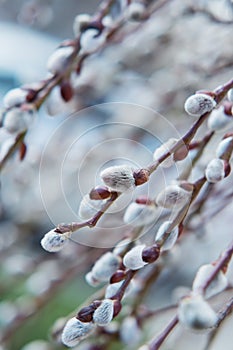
(201, 146)
(200, 204)
(181, 215)
(158, 341)
(43, 91)
(226, 200)
(226, 311)
(144, 315)
(147, 283)
(47, 85)
(121, 291)
(220, 93)
(220, 265)
(74, 226)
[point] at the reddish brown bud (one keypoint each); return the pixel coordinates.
(181, 153)
(144, 200)
(86, 313)
(31, 95)
(66, 90)
(227, 168)
(118, 276)
(194, 145)
(100, 192)
(117, 307)
(228, 134)
(22, 151)
(187, 186)
(150, 254)
(180, 229)
(141, 176)
(227, 105)
(96, 303)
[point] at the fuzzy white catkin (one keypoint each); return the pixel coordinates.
(93, 282)
(133, 259)
(121, 246)
(167, 240)
(173, 196)
(198, 104)
(16, 120)
(135, 11)
(119, 178)
(5, 146)
(74, 331)
(80, 22)
(215, 170)
(164, 148)
(195, 313)
(218, 284)
(104, 313)
(219, 121)
(140, 214)
(91, 40)
(53, 242)
(57, 61)
(230, 95)
(55, 105)
(89, 207)
(112, 289)
(130, 332)
(105, 266)
(222, 146)
(107, 21)
(14, 97)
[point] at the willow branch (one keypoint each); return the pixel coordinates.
(221, 265)
(226, 311)
(158, 341)
(18, 141)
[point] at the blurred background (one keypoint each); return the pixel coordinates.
(128, 100)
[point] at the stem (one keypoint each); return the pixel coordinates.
(104, 9)
(220, 93)
(145, 314)
(221, 264)
(228, 152)
(121, 291)
(181, 215)
(147, 283)
(158, 341)
(74, 226)
(201, 146)
(227, 310)
(200, 204)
